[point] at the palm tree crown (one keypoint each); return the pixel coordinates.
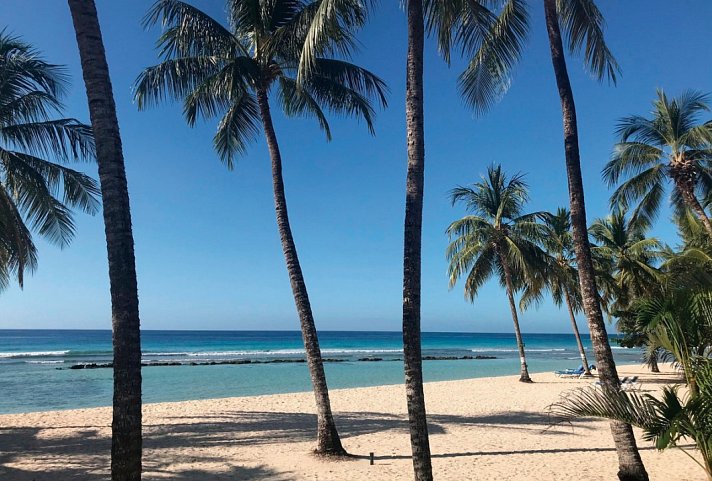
(559, 276)
(670, 145)
(36, 193)
(497, 227)
(217, 70)
(628, 255)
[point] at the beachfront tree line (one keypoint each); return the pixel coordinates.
(299, 51)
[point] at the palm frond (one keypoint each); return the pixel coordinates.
(328, 32)
(488, 74)
(583, 25)
(188, 31)
(237, 128)
(297, 101)
(65, 139)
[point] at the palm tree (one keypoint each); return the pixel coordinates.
(495, 238)
(487, 78)
(231, 72)
(672, 145)
(126, 442)
(621, 243)
(35, 193)
(560, 276)
(412, 239)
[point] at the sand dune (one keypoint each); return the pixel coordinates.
(481, 429)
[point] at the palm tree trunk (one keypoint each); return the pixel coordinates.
(653, 363)
(524, 374)
(574, 326)
(412, 237)
(126, 424)
(328, 441)
(686, 186)
(630, 466)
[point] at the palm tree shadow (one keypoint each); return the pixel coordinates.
(81, 453)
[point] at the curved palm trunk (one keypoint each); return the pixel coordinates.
(126, 424)
(328, 441)
(630, 466)
(685, 183)
(574, 326)
(524, 374)
(412, 360)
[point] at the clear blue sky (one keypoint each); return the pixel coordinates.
(207, 249)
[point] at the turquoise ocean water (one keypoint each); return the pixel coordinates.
(36, 374)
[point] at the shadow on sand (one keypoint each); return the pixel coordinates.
(81, 453)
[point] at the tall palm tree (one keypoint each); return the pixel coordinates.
(487, 78)
(560, 276)
(496, 238)
(126, 441)
(671, 145)
(232, 71)
(412, 239)
(455, 22)
(36, 193)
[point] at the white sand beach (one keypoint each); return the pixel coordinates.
(481, 429)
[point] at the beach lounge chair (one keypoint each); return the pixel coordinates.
(573, 373)
(631, 384)
(627, 384)
(570, 372)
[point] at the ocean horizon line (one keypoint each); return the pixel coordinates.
(5, 329)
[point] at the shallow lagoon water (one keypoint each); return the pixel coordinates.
(35, 374)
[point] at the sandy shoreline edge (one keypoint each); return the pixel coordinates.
(482, 428)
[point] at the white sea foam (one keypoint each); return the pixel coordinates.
(268, 352)
(44, 362)
(516, 350)
(292, 352)
(15, 355)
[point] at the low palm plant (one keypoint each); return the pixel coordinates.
(497, 238)
(678, 321)
(667, 421)
(37, 193)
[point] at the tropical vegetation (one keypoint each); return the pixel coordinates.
(679, 320)
(37, 189)
(296, 57)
